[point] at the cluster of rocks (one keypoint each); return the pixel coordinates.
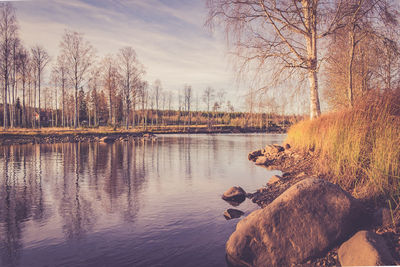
(234, 196)
(306, 221)
(10, 139)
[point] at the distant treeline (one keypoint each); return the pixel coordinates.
(149, 118)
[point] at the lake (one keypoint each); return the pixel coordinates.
(134, 203)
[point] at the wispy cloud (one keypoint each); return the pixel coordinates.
(168, 36)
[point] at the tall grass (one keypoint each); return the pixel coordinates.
(358, 147)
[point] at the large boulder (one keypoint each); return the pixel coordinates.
(304, 222)
(234, 194)
(365, 248)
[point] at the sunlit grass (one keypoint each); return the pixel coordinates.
(359, 147)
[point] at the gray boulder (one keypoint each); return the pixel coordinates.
(365, 248)
(304, 222)
(234, 194)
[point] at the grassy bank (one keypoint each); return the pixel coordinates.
(155, 129)
(358, 148)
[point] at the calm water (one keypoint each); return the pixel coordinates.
(124, 204)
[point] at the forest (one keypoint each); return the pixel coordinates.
(77, 89)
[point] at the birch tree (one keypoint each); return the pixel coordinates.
(8, 32)
(111, 78)
(40, 59)
(283, 33)
(61, 73)
(157, 87)
(24, 69)
(131, 72)
(79, 55)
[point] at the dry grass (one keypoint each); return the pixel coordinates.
(359, 147)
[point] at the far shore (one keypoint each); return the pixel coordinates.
(62, 135)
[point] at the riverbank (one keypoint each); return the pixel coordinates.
(299, 165)
(62, 135)
(337, 201)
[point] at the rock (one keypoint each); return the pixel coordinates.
(365, 248)
(232, 214)
(254, 155)
(263, 160)
(305, 221)
(287, 146)
(235, 194)
(108, 139)
(382, 217)
(274, 179)
(273, 149)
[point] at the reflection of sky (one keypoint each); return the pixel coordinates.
(128, 203)
(169, 36)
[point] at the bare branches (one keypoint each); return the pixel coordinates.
(79, 55)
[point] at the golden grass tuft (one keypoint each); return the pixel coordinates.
(359, 147)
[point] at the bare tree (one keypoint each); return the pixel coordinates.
(111, 78)
(157, 87)
(24, 69)
(8, 32)
(143, 97)
(78, 55)
(283, 33)
(61, 72)
(94, 87)
(131, 71)
(40, 59)
(188, 101)
(208, 97)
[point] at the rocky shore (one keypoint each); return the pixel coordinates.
(35, 136)
(50, 138)
(306, 220)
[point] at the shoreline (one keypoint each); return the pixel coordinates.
(297, 166)
(60, 135)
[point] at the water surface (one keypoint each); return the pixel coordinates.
(155, 203)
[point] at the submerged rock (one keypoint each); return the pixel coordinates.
(365, 248)
(234, 194)
(232, 214)
(306, 220)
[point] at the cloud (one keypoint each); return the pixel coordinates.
(168, 36)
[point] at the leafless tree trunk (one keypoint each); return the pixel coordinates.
(8, 31)
(40, 59)
(131, 71)
(284, 33)
(157, 87)
(79, 55)
(188, 101)
(208, 96)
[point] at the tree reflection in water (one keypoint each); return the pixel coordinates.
(77, 182)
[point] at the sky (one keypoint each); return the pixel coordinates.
(169, 37)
